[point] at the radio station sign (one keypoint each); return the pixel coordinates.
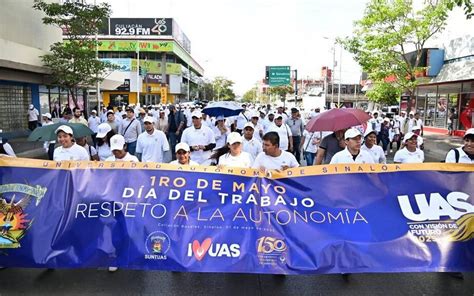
(129, 45)
(139, 27)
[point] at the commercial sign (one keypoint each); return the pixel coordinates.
(154, 67)
(164, 95)
(130, 45)
(140, 26)
(278, 75)
(319, 219)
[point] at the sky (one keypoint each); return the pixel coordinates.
(238, 38)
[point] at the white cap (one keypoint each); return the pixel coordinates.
(271, 113)
(65, 129)
(47, 115)
(31, 106)
(197, 114)
(103, 129)
(351, 133)
(149, 119)
(182, 146)
(469, 132)
(416, 127)
(386, 119)
(368, 131)
(117, 142)
(408, 136)
(254, 114)
(93, 111)
(234, 138)
(249, 124)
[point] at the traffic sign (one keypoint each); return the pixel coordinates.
(278, 75)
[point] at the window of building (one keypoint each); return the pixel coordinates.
(14, 101)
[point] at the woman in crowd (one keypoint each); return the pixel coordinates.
(48, 145)
(68, 149)
(384, 134)
(410, 153)
(104, 133)
(221, 132)
(231, 155)
(162, 122)
(370, 139)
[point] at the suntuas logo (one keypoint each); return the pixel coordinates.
(436, 217)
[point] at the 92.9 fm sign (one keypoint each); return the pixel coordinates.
(140, 26)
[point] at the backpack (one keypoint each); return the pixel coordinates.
(456, 154)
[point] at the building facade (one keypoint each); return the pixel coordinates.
(23, 40)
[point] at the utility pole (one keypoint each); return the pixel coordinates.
(340, 78)
(97, 74)
(296, 86)
(333, 72)
(138, 74)
(189, 80)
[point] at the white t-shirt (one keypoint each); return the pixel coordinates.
(377, 153)
(104, 152)
(405, 156)
(256, 130)
(309, 137)
(243, 160)
(75, 152)
(284, 132)
(203, 136)
(221, 138)
(275, 163)
(242, 119)
(33, 114)
(128, 157)
(463, 158)
(190, 162)
(93, 122)
(152, 147)
(90, 150)
(253, 147)
(345, 156)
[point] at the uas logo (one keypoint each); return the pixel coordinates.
(13, 216)
(213, 249)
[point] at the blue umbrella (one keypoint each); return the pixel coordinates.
(222, 108)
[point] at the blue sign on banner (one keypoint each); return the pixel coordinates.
(320, 219)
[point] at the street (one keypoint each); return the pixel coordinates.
(133, 282)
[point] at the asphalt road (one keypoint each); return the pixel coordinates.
(17, 281)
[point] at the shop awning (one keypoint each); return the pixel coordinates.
(459, 70)
(113, 80)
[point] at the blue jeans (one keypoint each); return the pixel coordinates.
(309, 157)
(173, 140)
(131, 147)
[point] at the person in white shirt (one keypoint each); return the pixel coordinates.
(270, 122)
(272, 157)
(103, 115)
(258, 131)
(91, 151)
(281, 112)
(221, 131)
(232, 155)
(130, 129)
(152, 144)
(411, 122)
(93, 123)
(5, 148)
(464, 154)
(78, 117)
(352, 153)
(242, 119)
(117, 145)
(183, 155)
(419, 140)
(48, 145)
(112, 121)
(68, 149)
(419, 122)
(263, 121)
(370, 139)
(200, 139)
(309, 145)
(251, 145)
(104, 133)
(284, 132)
(410, 153)
(33, 115)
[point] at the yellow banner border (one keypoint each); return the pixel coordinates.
(294, 172)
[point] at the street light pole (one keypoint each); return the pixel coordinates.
(340, 78)
(97, 74)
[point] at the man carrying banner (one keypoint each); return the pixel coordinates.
(272, 157)
(151, 144)
(200, 139)
(183, 155)
(329, 146)
(352, 153)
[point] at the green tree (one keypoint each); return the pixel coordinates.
(384, 93)
(250, 96)
(223, 89)
(281, 91)
(388, 31)
(467, 5)
(73, 62)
